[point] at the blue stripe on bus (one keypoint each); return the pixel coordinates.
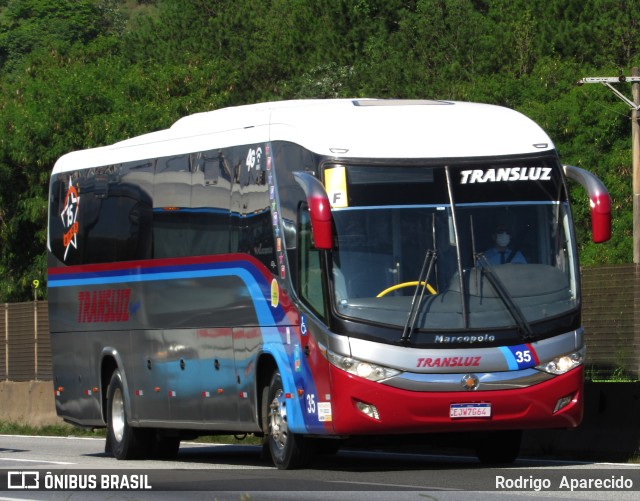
(510, 358)
(143, 276)
(84, 277)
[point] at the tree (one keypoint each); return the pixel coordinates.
(30, 25)
(81, 73)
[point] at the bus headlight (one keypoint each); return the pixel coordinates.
(562, 364)
(359, 368)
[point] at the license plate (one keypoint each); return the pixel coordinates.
(462, 411)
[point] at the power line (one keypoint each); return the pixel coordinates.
(607, 81)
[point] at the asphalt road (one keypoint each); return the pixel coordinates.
(63, 467)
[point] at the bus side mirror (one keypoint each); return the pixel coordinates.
(319, 209)
(599, 201)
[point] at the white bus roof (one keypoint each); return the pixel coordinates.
(340, 128)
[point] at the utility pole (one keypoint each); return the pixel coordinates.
(634, 105)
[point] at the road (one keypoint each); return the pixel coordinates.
(237, 473)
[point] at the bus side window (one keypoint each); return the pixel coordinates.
(171, 201)
(210, 199)
(310, 271)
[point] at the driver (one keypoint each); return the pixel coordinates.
(501, 252)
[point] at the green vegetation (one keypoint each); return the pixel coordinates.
(81, 73)
(59, 430)
(597, 374)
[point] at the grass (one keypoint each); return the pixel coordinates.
(617, 374)
(58, 430)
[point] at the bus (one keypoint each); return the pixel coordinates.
(315, 271)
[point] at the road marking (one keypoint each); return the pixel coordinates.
(33, 461)
(48, 437)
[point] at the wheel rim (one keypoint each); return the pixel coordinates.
(117, 415)
(278, 421)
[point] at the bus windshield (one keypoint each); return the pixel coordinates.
(485, 255)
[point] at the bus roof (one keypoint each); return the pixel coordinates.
(339, 128)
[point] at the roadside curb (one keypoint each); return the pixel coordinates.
(30, 403)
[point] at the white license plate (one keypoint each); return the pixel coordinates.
(462, 411)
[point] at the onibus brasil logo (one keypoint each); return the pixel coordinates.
(69, 217)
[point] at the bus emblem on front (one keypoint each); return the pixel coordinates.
(470, 382)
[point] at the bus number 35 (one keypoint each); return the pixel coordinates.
(523, 356)
(311, 404)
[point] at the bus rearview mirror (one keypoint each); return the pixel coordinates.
(599, 202)
(319, 209)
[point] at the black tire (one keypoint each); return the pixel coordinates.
(124, 441)
(265, 452)
(499, 447)
(289, 451)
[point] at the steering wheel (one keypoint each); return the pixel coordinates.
(407, 284)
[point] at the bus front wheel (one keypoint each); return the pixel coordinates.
(288, 450)
(125, 442)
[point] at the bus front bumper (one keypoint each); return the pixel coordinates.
(362, 407)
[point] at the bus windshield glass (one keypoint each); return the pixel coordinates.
(481, 246)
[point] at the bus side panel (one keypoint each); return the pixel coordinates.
(201, 374)
(76, 386)
(183, 356)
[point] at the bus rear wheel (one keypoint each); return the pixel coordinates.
(288, 450)
(124, 441)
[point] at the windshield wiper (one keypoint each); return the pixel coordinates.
(514, 310)
(418, 296)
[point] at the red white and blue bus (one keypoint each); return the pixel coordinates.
(319, 270)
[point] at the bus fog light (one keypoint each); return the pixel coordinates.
(368, 410)
(562, 403)
(562, 364)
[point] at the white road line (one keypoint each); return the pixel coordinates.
(48, 437)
